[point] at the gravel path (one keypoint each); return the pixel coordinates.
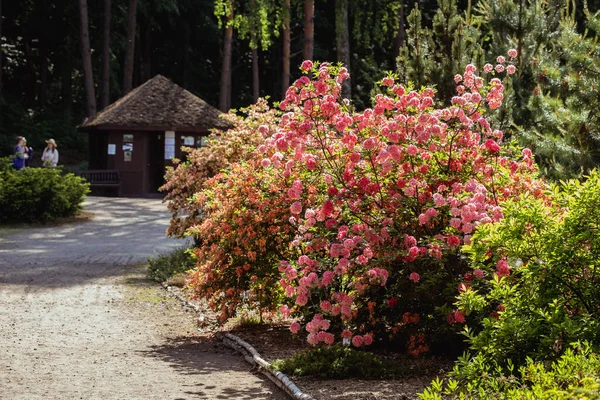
(78, 319)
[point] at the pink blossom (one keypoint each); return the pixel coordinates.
(492, 146)
(499, 68)
(325, 306)
(285, 311)
(369, 144)
(414, 277)
(478, 273)
(453, 241)
(327, 208)
(357, 341)
(511, 69)
(488, 68)
(459, 317)
(296, 207)
(502, 268)
(346, 334)
(295, 327)
(265, 162)
(301, 300)
(306, 65)
(457, 78)
(512, 53)
(412, 150)
(367, 340)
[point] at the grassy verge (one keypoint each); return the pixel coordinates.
(171, 267)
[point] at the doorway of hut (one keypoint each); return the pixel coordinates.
(156, 163)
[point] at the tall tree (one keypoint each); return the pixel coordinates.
(254, 47)
(225, 87)
(130, 47)
(86, 56)
(105, 79)
(343, 42)
(285, 74)
(309, 29)
(1, 55)
(400, 35)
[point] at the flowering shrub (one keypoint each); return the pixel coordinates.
(222, 148)
(244, 233)
(540, 283)
(383, 199)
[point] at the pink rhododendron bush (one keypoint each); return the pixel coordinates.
(223, 148)
(361, 215)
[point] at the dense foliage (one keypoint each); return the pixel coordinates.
(575, 375)
(222, 149)
(38, 194)
(533, 293)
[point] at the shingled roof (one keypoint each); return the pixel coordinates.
(158, 104)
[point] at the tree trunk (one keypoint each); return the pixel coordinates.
(285, 75)
(399, 42)
(0, 52)
(225, 89)
(43, 92)
(343, 42)
(105, 80)
(66, 85)
(130, 48)
(86, 56)
(309, 29)
(254, 45)
(255, 76)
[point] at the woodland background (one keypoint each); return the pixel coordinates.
(63, 60)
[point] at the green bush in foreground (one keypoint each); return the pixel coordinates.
(534, 292)
(165, 266)
(38, 194)
(575, 375)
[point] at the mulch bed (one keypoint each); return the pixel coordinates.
(275, 341)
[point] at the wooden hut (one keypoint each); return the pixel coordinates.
(136, 137)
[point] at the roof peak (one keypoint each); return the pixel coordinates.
(158, 103)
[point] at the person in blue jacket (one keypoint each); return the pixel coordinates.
(22, 153)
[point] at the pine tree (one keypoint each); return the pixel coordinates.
(565, 127)
(433, 56)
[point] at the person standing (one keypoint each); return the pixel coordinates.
(21, 153)
(50, 155)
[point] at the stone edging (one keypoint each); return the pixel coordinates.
(254, 359)
(250, 355)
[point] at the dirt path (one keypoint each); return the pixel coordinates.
(78, 319)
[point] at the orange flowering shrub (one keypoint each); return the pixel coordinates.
(223, 148)
(244, 233)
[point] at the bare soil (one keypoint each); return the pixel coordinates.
(274, 341)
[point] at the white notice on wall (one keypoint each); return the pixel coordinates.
(112, 149)
(169, 145)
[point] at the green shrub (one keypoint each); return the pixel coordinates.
(550, 297)
(575, 375)
(38, 194)
(164, 266)
(340, 362)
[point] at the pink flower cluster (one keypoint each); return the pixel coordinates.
(370, 192)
